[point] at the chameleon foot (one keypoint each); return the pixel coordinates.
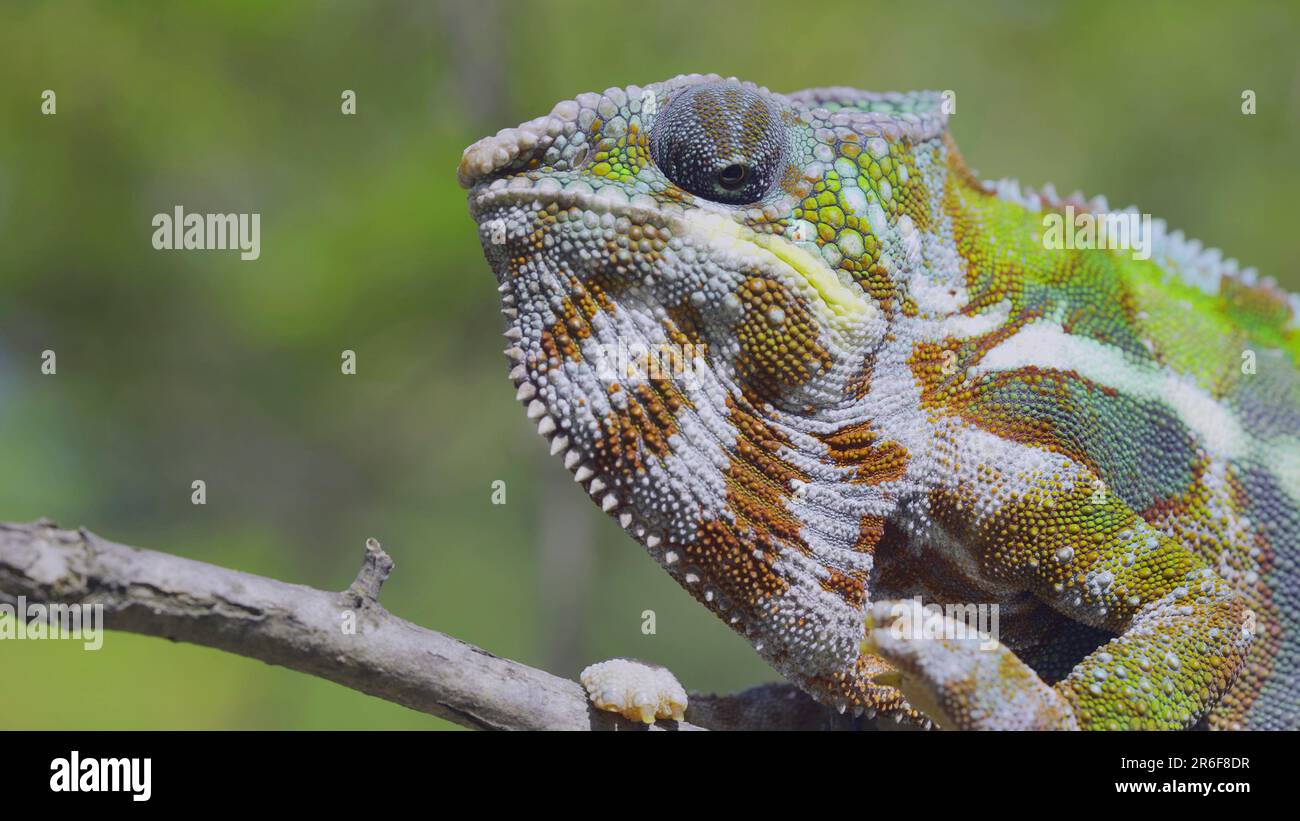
(961, 681)
(636, 690)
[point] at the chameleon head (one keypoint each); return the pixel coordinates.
(688, 269)
(698, 217)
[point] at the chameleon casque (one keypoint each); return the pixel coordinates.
(890, 386)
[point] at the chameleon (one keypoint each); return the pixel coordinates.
(820, 369)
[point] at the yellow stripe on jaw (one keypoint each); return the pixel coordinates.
(843, 302)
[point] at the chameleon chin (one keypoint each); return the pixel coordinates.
(901, 387)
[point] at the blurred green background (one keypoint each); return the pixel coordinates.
(181, 366)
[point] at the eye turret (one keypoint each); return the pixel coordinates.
(720, 141)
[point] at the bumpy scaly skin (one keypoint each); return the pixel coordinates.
(893, 388)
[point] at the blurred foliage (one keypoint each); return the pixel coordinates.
(175, 366)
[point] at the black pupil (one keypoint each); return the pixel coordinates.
(733, 175)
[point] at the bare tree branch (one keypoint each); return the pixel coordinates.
(158, 594)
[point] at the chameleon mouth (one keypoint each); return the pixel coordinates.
(844, 306)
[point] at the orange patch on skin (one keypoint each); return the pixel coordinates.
(728, 562)
(941, 367)
(735, 558)
(658, 419)
(857, 446)
(870, 531)
(792, 181)
(593, 295)
(581, 303)
(760, 507)
(555, 349)
(639, 429)
(851, 587)
(759, 482)
(888, 463)
(859, 689)
(957, 167)
(619, 449)
(757, 443)
(562, 340)
(951, 393)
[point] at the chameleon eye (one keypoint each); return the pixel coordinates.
(720, 141)
(733, 176)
